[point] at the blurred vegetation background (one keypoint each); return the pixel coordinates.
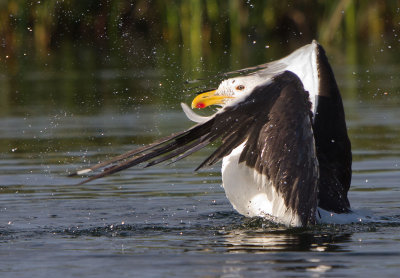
(97, 49)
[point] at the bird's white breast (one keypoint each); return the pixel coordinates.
(251, 193)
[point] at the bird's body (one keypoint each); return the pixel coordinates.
(251, 194)
(285, 148)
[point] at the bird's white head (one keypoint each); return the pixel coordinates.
(228, 91)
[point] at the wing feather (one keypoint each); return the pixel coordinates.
(254, 120)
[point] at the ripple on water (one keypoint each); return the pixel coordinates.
(171, 218)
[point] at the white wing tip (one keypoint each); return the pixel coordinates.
(84, 171)
(192, 115)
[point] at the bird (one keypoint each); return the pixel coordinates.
(286, 155)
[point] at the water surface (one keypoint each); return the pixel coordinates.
(168, 220)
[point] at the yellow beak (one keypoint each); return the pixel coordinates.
(208, 98)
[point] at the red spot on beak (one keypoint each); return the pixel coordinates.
(200, 105)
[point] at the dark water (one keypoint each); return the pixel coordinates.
(170, 221)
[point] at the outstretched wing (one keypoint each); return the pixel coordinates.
(274, 121)
(230, 124)
(332, 142)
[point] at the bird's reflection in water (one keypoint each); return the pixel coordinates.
(278, 247)
(272, 241)
(258, 235)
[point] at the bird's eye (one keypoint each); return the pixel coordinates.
(239, 87)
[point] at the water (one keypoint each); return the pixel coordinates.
(169, 221)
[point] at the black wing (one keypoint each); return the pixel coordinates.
(274, 121)
(332, 142)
